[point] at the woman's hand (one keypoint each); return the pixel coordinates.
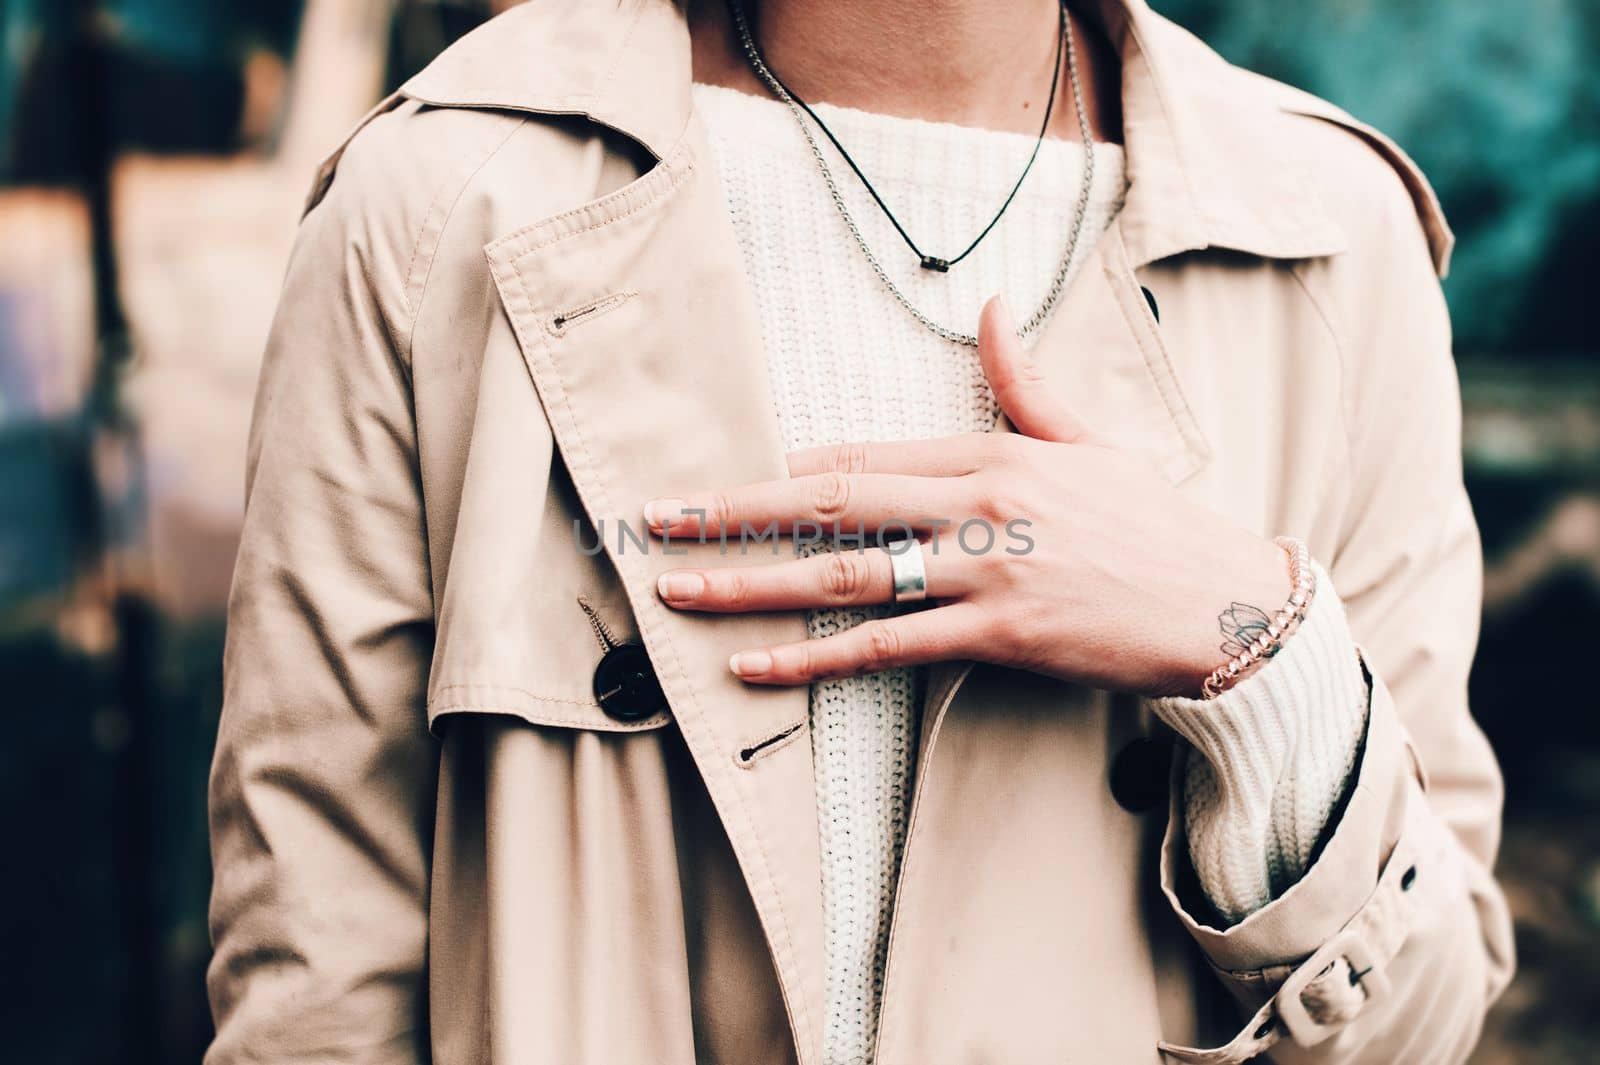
(1076, 560)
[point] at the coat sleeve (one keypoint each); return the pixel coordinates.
(321, 787)
(1397, 939)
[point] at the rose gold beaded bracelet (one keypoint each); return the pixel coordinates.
(1270, 641)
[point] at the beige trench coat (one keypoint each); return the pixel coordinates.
(516, 301)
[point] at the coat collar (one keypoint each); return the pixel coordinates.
(624, 64)
(1205, 163)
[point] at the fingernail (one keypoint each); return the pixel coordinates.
(680, 586)
(750, 663)
(660, 513)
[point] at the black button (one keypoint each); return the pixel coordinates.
(1139, 775)
(625, 684)
(1150, 298)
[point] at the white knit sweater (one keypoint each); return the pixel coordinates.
(847, 363)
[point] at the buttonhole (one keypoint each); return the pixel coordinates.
(1150, 298)
(752, 752)
(561, 322)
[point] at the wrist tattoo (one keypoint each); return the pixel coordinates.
(1242, 625)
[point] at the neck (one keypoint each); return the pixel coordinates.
(971, 62)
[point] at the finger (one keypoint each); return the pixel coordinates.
(842, 578)
(825, 500)
(951, 456)
(1034, 406)
(937, 635)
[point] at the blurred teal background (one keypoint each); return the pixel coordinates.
(153, 154)
(1500, 103)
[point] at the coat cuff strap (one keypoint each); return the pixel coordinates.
(1318, 996)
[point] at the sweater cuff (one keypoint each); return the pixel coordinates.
(1275, 753)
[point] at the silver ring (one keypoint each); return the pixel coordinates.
(910, 572)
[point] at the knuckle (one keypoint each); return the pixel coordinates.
(994, 500)
(844, 578)
(849, 458)
(883, 646)
(993, 569)
(1004, 634)
(990, 506)
(1019, 495)
(734, 590)
(720, 510)
(806, 664)
(831, 496)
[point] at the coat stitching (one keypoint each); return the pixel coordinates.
(1167, 385)
(799, 1006)
(914, 829)
(587, 311)
(470, 168)
(660, 179)
(1334, 337)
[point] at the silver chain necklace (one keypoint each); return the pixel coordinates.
(1057, 284)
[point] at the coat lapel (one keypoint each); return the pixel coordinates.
(641, 336)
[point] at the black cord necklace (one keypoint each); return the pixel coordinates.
(929, 262)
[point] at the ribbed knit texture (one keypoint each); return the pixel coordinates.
(1272, 758)
(848, 363)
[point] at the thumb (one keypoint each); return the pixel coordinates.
(1033, 405)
